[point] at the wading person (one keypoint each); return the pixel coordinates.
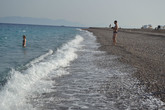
(24, 41)
(115, 30)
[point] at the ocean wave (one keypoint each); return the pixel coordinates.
(36, 60)
(23, 83)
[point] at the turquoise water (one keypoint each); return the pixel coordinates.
(40, 40)
(23, 71)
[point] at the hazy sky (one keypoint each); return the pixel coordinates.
(129, 13)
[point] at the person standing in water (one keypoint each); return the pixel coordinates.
(24, 41)
(115, 30)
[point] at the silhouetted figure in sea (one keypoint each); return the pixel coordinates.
(24, 41)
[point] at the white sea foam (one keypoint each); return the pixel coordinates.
(21, 84)
(78, 29)
(23, 30)
(50, 52)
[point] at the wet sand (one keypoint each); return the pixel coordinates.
(144, 50)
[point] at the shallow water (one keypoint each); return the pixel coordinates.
(94, 81)
(40, 41)
(22, 69)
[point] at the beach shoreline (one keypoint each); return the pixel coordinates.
(144, 50)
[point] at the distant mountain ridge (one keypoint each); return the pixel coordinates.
(39, 21)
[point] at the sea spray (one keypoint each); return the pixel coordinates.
(21, 84)
(36, 60)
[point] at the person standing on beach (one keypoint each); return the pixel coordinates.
(115, 30)
(24, 41)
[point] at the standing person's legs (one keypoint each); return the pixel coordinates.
(114, 38)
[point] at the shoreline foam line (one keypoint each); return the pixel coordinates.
(21, 84)
(40, 58)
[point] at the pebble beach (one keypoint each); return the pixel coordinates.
(142, 49)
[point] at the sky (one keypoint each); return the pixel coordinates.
(128, 13)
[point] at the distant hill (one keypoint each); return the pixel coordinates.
(39, 21)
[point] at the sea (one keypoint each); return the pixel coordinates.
(61, 68)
